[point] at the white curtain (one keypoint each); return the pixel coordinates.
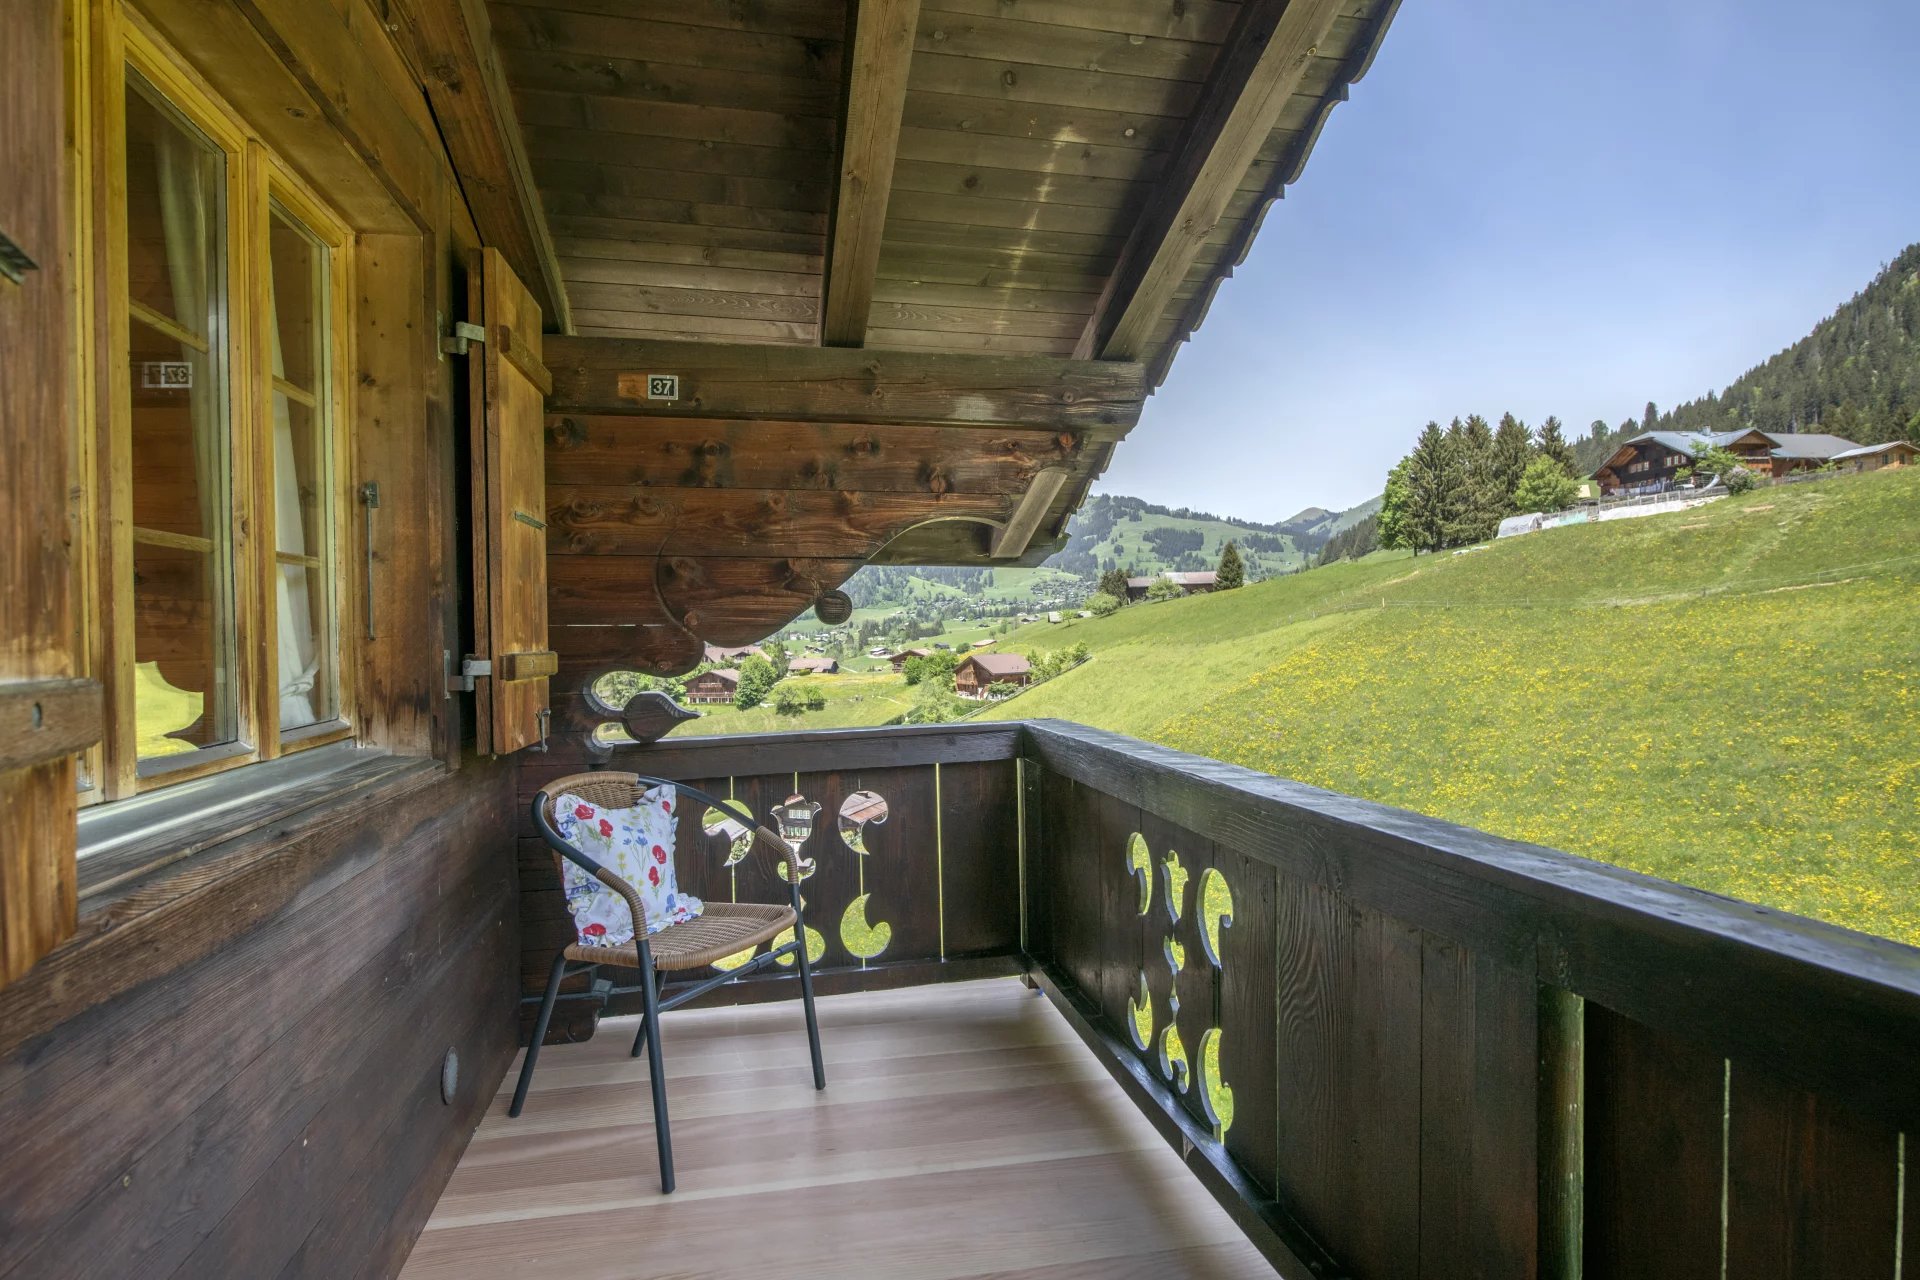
(190, 182)
(293, 601)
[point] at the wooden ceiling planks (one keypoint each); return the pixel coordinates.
(702, 134)
(689, 154)
(1035, 131)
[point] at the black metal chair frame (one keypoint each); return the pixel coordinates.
(649, 986)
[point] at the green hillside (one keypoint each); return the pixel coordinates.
(1728, 696)
(1112, 532)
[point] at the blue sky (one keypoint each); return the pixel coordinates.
(1547, 207)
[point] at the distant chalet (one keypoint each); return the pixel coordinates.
(1193, 584)
(729, 655)
(899, 660)
(1649, 462)
(813, 667)
(1872, 457)
(978, 670)
(717, 685)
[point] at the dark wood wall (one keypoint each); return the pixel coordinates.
(244, 1079)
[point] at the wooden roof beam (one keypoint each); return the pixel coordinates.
(1100, 400)
(1010, 542)
(877, 57)
(1258, 68)
(452, 42)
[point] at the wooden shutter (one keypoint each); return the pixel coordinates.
(509, 388)
(45, 714)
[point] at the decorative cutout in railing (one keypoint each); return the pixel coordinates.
(1169, 1049)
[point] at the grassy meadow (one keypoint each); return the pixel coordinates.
(1728, 696)
(853, 701)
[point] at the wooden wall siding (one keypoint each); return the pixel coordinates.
(45, 714)
(940, 878)
(1399, 1118)
(273, 1106)
(668, 532)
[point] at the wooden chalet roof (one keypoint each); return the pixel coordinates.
(1006, 163)
(916, 265)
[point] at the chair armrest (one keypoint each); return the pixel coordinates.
(560, 845)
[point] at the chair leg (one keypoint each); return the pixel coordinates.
(650, 1029)
(806, 998)
(554, 976)
(640, 1037)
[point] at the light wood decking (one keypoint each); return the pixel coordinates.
(964, 1131)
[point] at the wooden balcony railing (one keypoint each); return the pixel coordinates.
(1391, 1046)
(1452, 1054)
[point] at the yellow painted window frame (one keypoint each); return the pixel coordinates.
(104, 41)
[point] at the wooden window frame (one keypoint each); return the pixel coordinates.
(108, 40)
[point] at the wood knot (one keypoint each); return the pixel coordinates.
(566, 433)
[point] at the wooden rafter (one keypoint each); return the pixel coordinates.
(452, 41)
(1010, 542)
(1259, 68)
(1101, 399)
(879, 53)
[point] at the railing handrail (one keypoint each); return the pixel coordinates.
(1837, 1010)
(805, 750)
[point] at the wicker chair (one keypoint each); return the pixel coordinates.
(722, 930)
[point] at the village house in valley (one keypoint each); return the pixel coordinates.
(813, 666)
(731, 655)
(979, 670)
(717, 685)
(1191, 583)
(899, 658)
(380, 377)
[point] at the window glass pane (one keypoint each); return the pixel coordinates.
(184, 644)
(302, 476)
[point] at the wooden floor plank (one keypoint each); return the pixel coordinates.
(964, 1132)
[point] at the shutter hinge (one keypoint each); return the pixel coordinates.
(470, 667)
(455, 344)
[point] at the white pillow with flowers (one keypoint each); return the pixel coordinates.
(635, 844)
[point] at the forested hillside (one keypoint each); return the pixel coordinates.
(1856, 375)
(1116, 532)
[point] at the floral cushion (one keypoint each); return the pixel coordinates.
(635, 844)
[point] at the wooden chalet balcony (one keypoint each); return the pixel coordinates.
(1386, 1045)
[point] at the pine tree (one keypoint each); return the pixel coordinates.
(1231, 572)
(1482, 502)
(1436, 491)
(1553, 444)
(1650, 419)
(1113, 582)
(1512, 451)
